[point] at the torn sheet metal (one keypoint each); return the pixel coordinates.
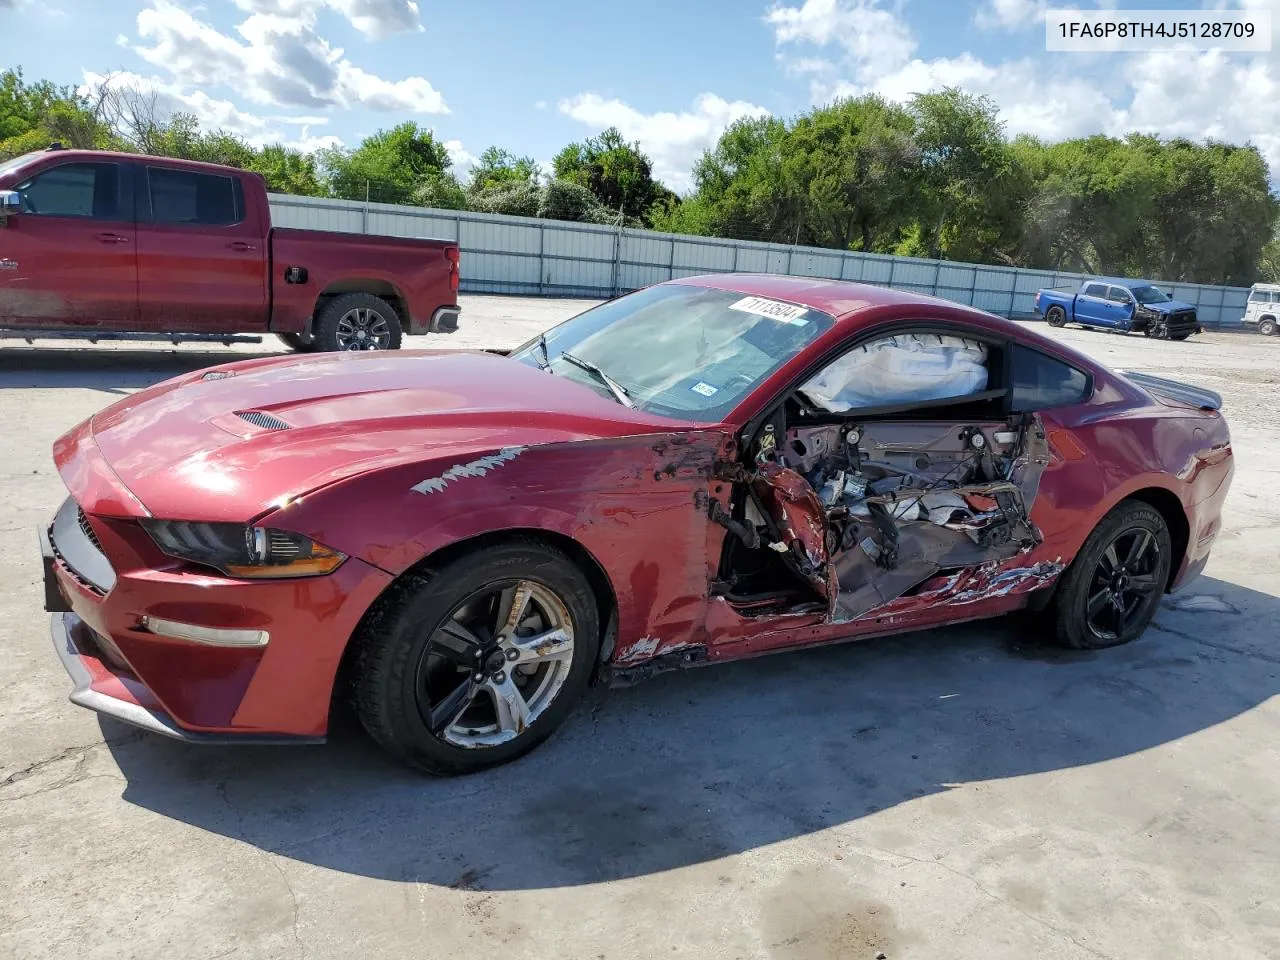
(476, 468)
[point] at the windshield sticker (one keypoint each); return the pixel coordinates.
(773, 309)
(706, 389)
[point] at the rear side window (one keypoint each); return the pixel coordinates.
(1040, 381)
(206, 199)
(88, 190)
(1094, 290)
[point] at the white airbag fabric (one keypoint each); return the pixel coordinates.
(910, 368)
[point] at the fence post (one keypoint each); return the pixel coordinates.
(364, 214)
(542, 257)
(1013, 294)
(893, 266)
(671, 261)
(617, 254)
(937, 274)
(736, 248)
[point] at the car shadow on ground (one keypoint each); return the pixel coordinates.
(108, 370)
(695, 766)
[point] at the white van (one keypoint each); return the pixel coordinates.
(1263, 310)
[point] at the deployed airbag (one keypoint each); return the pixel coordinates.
(910, 368)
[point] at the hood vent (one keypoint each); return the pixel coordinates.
(264, 420)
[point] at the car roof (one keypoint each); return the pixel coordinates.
(1119, 281)
(839, 298)
(1266, 286)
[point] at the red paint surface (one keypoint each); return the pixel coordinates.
(136, 275)
(629, 487)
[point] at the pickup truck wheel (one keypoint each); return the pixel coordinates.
(298, 343)
(1179, 336)
(357, 321)
(1056, 317)
(1267, 327)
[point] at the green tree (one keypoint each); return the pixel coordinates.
(287, 170)
(617, 173)
(500, 168)
(970, 202)
(34, 115)
(388, 166)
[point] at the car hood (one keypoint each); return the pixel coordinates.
(237, 441)
(1171, 307)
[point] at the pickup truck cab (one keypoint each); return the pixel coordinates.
(1125, 305)
(1262, 312)
(97, 245)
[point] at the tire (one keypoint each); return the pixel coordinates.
(1179, 336)
(407, 673)
(1087, 586)
(1056, 317)
(357, 321)
(1267, 327)
(298, 343)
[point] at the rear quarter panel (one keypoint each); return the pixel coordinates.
(417, 270)
(1121, 444)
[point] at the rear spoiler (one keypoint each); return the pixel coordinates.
(1175, 390)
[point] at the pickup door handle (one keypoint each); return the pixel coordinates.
(241, 245)
(112, 238)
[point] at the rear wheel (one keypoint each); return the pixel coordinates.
(1056, 317)
(1267, 327)
(479, 663)
(357, 321)
(1112, 590)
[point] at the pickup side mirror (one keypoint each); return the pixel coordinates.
(10, 203)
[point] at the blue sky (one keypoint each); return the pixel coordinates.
(671, 73)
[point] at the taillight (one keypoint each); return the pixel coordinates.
(454, 256)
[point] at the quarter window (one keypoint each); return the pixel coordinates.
(1040, 381)
(88, 190)
(206, 199)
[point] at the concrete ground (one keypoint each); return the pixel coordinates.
(958, 793)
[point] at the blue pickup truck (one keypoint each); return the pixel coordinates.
(1119, 305)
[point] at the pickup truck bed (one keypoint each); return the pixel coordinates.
(100, 245)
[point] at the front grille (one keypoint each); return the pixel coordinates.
(83, 522)
(264, 420)
(78, 547)
(1181, 321)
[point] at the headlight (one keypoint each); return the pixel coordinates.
(241, 551)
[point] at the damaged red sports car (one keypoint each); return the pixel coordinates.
(711, 468)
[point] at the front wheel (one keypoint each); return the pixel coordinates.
(1111, 591)
(357, 321)
(1179, 336)
(1056, 317)
(1267, 328)
(478, 663)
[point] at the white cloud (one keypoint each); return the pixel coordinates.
(215, 114)
(279, 59)
(462, 160)
(1009, 14)
(673, 140)
(874, 39)
(376, 19)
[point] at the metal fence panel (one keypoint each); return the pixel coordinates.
(525, 255)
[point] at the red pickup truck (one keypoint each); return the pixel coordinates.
(98, 246)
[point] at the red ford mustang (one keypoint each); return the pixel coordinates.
(707, 469)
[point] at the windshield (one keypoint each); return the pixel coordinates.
(9, 166)
(1149, 294)
(685, 352)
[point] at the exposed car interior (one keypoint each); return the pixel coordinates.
(904, 459)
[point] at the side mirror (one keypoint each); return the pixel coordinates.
(10, 203)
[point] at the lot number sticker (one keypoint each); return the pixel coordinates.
(773, 309)
(706, 389)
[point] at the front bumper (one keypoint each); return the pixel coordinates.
(97, 687)
(184, 688)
